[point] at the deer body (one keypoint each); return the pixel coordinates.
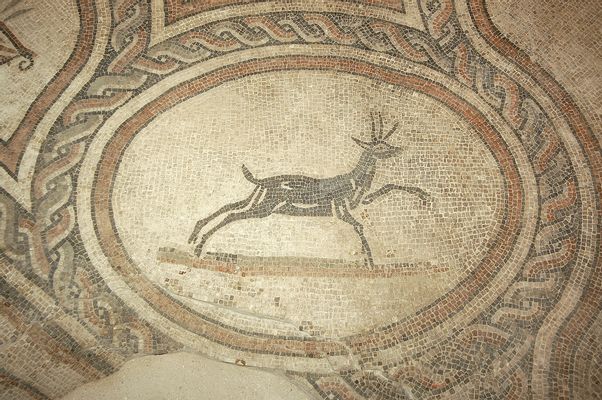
(304, 196)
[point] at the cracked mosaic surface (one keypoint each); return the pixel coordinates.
(380, 199)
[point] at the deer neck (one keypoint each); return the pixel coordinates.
(364, 170)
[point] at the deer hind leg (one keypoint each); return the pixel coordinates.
(342, 212)
(259, 211)
(227, 208)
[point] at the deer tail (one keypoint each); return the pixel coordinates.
(249, 175)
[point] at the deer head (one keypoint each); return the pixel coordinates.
(378, 147)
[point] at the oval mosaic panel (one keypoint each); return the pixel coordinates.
(401, 212)
(281, 124)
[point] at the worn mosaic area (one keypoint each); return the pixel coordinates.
(381, 199)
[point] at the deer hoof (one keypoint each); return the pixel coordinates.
(199, 249)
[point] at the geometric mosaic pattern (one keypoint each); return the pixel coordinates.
(417, 215)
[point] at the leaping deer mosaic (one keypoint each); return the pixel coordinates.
(303, 196)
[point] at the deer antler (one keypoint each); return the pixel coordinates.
(373, 132)
(380, 136)
(377, 136)
(393, 129)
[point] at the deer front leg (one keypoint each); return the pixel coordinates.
(424, 196)
(228, 207)
(342, 212)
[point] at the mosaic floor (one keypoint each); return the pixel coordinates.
(382, 199)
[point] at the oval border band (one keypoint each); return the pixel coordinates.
(428, 318)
